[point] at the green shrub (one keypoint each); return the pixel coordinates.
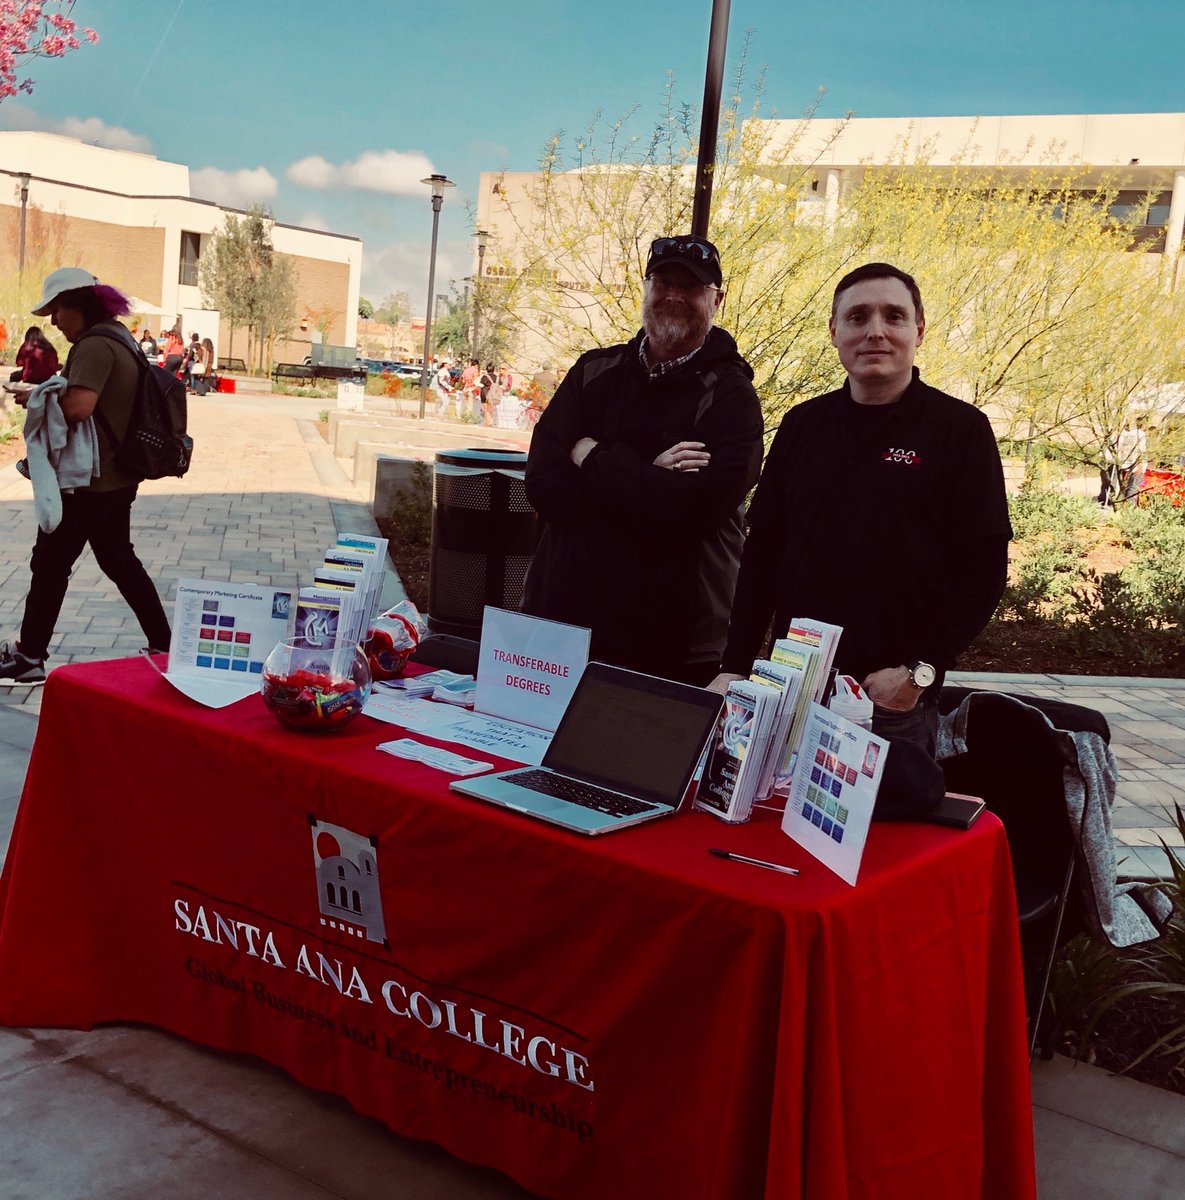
(1047, 567)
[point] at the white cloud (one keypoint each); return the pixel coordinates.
(393, 172)
(235, 189)
(313, 220)
(86, 129)
(114, 137)
(402, 266)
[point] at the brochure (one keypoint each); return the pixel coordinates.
(803, 659)
(786, 681)
(734, 768)
(834, 790)
(826, 638)
(222, 633)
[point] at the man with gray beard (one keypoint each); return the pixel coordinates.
(638, 469)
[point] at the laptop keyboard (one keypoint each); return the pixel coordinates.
(586, 795)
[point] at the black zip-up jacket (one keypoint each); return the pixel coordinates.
(890, 520)
(643, 556)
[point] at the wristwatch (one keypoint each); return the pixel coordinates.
(921, 674)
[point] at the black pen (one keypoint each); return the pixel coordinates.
(754, 862)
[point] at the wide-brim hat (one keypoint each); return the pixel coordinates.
(65, 279)
(696, 254)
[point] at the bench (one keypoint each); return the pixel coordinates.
(233, 365)
(291, 371)
(325, 371)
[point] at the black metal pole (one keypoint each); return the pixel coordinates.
(436, 203)
(24, 178)
(710, 118)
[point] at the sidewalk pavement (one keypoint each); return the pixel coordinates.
(132, 1112)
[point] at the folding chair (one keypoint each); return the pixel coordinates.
(1016, 766)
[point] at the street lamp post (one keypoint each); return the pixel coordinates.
(710, 118)
(24, 178)
(483, 239)
(437, 183)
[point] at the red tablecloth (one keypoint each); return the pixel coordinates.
(622, 1016)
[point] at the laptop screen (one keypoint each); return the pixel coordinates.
(633, 733)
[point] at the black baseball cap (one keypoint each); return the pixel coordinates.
(697, 254)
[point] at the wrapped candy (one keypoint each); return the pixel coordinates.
(392, 639)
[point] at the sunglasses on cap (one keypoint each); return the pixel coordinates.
(697, 254)
(684, 247)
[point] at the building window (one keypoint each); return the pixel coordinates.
(190, 252)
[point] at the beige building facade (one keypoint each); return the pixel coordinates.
(1146, 150)
(131, 220)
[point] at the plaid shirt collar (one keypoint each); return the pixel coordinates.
(662, 368)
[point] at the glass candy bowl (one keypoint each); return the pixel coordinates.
(315, 690)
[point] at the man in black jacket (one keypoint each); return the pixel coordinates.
(638, 468)
(881, 508)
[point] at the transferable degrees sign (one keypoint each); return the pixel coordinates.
(528, 668)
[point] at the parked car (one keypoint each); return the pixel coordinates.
(405, 370)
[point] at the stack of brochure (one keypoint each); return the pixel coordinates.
(809, 648)
(786, 680)
(736, 763)
(334, 614)
(426, 685)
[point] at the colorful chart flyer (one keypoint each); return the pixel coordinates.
(222, 633)
(836, 778)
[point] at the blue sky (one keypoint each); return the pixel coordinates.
(294, 104)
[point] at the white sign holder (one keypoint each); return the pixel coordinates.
(528, 668)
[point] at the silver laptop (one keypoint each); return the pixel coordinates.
(624, 753)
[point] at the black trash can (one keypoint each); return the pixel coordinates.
(484, 532)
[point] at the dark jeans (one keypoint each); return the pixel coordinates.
(104, 520)
(919, 725)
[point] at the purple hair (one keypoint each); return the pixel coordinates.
(114, 302)
(98, 303)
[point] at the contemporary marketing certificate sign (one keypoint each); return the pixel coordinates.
(836, 777)
(528, 668)
(222, 633)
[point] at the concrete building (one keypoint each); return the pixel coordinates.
(1147, 150)
(130, 218)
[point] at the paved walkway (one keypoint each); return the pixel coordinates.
(136, 1113)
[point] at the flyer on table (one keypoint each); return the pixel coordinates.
(834, 789)
(222, 633)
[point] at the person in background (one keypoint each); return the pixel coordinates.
(1131, 453)
(174, 351)
(37, 359)
(102, 381)
(491, 394)
(191, 356)
(442, 383)
(148, 344)
(546, 381)
(204, 377)
(470, 390)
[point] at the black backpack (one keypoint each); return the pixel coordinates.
(155, 443)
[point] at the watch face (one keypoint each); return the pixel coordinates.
(923, 674)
